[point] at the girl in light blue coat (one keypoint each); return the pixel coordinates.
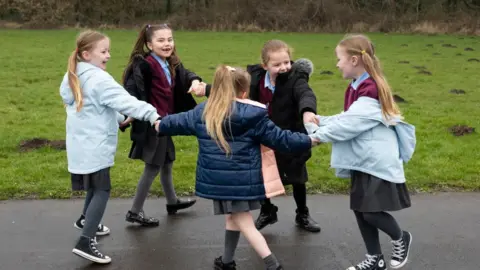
(370, 143)
(95, 106)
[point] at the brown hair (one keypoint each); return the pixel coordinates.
(86, 41)
(140, 47)
(274, 45)
(228, 83)
(361, 46)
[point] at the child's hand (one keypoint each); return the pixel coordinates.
(157, 126)
(127, 122)
(315, 141)
(309, 117)
(198, 89)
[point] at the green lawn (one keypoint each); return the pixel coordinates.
(34, 62)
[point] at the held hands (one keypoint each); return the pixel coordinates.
(315, 141)
(198, 88)
(311, 123)
(126, 122)
(157, 126)
(310, 117)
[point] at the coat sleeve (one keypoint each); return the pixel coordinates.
(344, 126)
(180, 123)
(270, 135)
(208, 89)
(304, 95)
(324, 120)
(120, 117)
(187, 76)
(130, 84)
(113, 95)
(134, 83)
(135, 78)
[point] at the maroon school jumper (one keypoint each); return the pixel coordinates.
(367, 88)
(265, 95)
(161, 95)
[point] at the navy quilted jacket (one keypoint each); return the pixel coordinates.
(238, 176)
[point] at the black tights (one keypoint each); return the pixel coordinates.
(369, 224)
(299, 194)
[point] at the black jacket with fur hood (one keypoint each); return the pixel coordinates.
(292, 97)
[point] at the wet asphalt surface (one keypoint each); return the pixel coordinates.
(40, 235)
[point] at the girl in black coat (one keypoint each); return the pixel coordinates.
(283, 86)
(155, 74)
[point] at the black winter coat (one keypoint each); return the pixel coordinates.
(138, 82)
(292, 97)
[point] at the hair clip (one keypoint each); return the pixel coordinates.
(148, 26)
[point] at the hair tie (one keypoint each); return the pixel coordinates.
(230, 68)
(148, 26)
(363, 51)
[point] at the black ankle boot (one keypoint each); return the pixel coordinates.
(305, 222)
(180, 204)
(87, 248)
(218, 264)
(268, 216)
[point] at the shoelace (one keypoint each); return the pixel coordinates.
(93, 247)
(100, 226)
(369, 262)
(398, 251)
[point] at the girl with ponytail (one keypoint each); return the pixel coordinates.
(95, 105)
(370, 145)
(235, 168)
(155, 74)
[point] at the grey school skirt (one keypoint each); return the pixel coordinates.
(372, 194)
(97, 180)
(155, 150)
(225, 207)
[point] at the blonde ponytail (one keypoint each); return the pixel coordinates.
(73, 80)
(389, 107)
(228, 84)
(86, 41)
(361, 46)
(219, 106)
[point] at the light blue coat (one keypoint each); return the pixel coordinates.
(92, 133)
(362, 140)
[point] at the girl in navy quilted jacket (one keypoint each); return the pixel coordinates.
(232, 132)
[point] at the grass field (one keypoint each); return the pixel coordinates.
(33, 63)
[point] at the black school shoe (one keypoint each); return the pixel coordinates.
(218, 264)
(141, 219)
(305, 222)
(101, 230)
(372, 262)
(401, 249)
(87, 248)
(181, 204)
(268, 216)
